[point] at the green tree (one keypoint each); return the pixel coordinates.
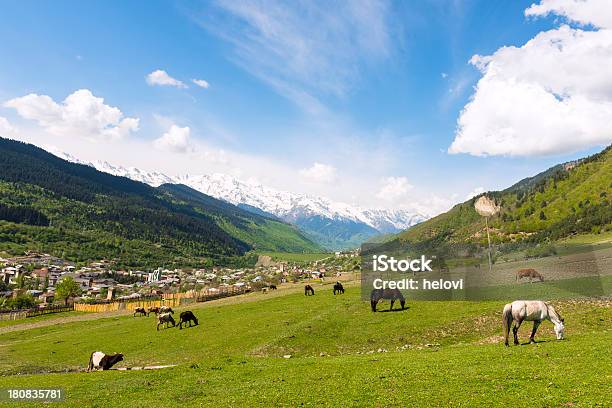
(23, 301)
(66, 289)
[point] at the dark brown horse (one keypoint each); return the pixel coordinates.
(308, 290)
(529, 273)
(390, 294)
(338, 288)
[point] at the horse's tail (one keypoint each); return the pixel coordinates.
(507, 321)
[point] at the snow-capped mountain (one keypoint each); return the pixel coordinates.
(332, 224)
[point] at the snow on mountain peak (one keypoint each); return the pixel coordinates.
(283, 204)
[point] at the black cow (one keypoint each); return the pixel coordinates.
(187, 316)
(338, 288)
(308, 290)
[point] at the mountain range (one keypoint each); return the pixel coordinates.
(331, 224)
(78, 213)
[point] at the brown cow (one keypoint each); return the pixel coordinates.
(529, 273)
(153, 310)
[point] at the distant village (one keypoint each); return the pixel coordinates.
(36, 276)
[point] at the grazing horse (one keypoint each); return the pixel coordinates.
(530, 310)
(141, 311)
(98, 360)
(166, 309)
(308, 290)
(390, 294)
(165, 318)
(187, 316)
(338, 288)
(529, 273)
(273, 287)
(153, 310)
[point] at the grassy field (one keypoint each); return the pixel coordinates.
(433, 354)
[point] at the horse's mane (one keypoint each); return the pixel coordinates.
(552, 312)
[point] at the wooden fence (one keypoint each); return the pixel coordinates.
(207, 294)
(168, 299)
(14, 315)
(50, 309)
(125, 305)
(22, 314)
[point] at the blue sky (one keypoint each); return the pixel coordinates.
(356, 101)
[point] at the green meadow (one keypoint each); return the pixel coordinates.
(283, 348)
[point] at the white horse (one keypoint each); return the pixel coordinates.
(530, 310)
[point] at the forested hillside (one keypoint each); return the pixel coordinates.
(260, 231)
(78, 213)
(565, 200)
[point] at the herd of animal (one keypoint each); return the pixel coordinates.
(164, 316)
(514, 314)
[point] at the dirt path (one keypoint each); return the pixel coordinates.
(61, 320)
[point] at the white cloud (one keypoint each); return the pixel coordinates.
(302, 49)
(475, 192)
(161, 78)
(444, 75)
(394, 189)
(81, 114)
(319, 173)
(5, 126)
(549, 96)
(201, 83)
(177, 139)
(595, 12)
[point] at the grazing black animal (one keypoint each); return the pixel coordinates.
(98, 360)
(390, 294)
(165, 318)
(141, 311)
(187, 316)
(338, 288)
(308, 290)
(272, 287)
